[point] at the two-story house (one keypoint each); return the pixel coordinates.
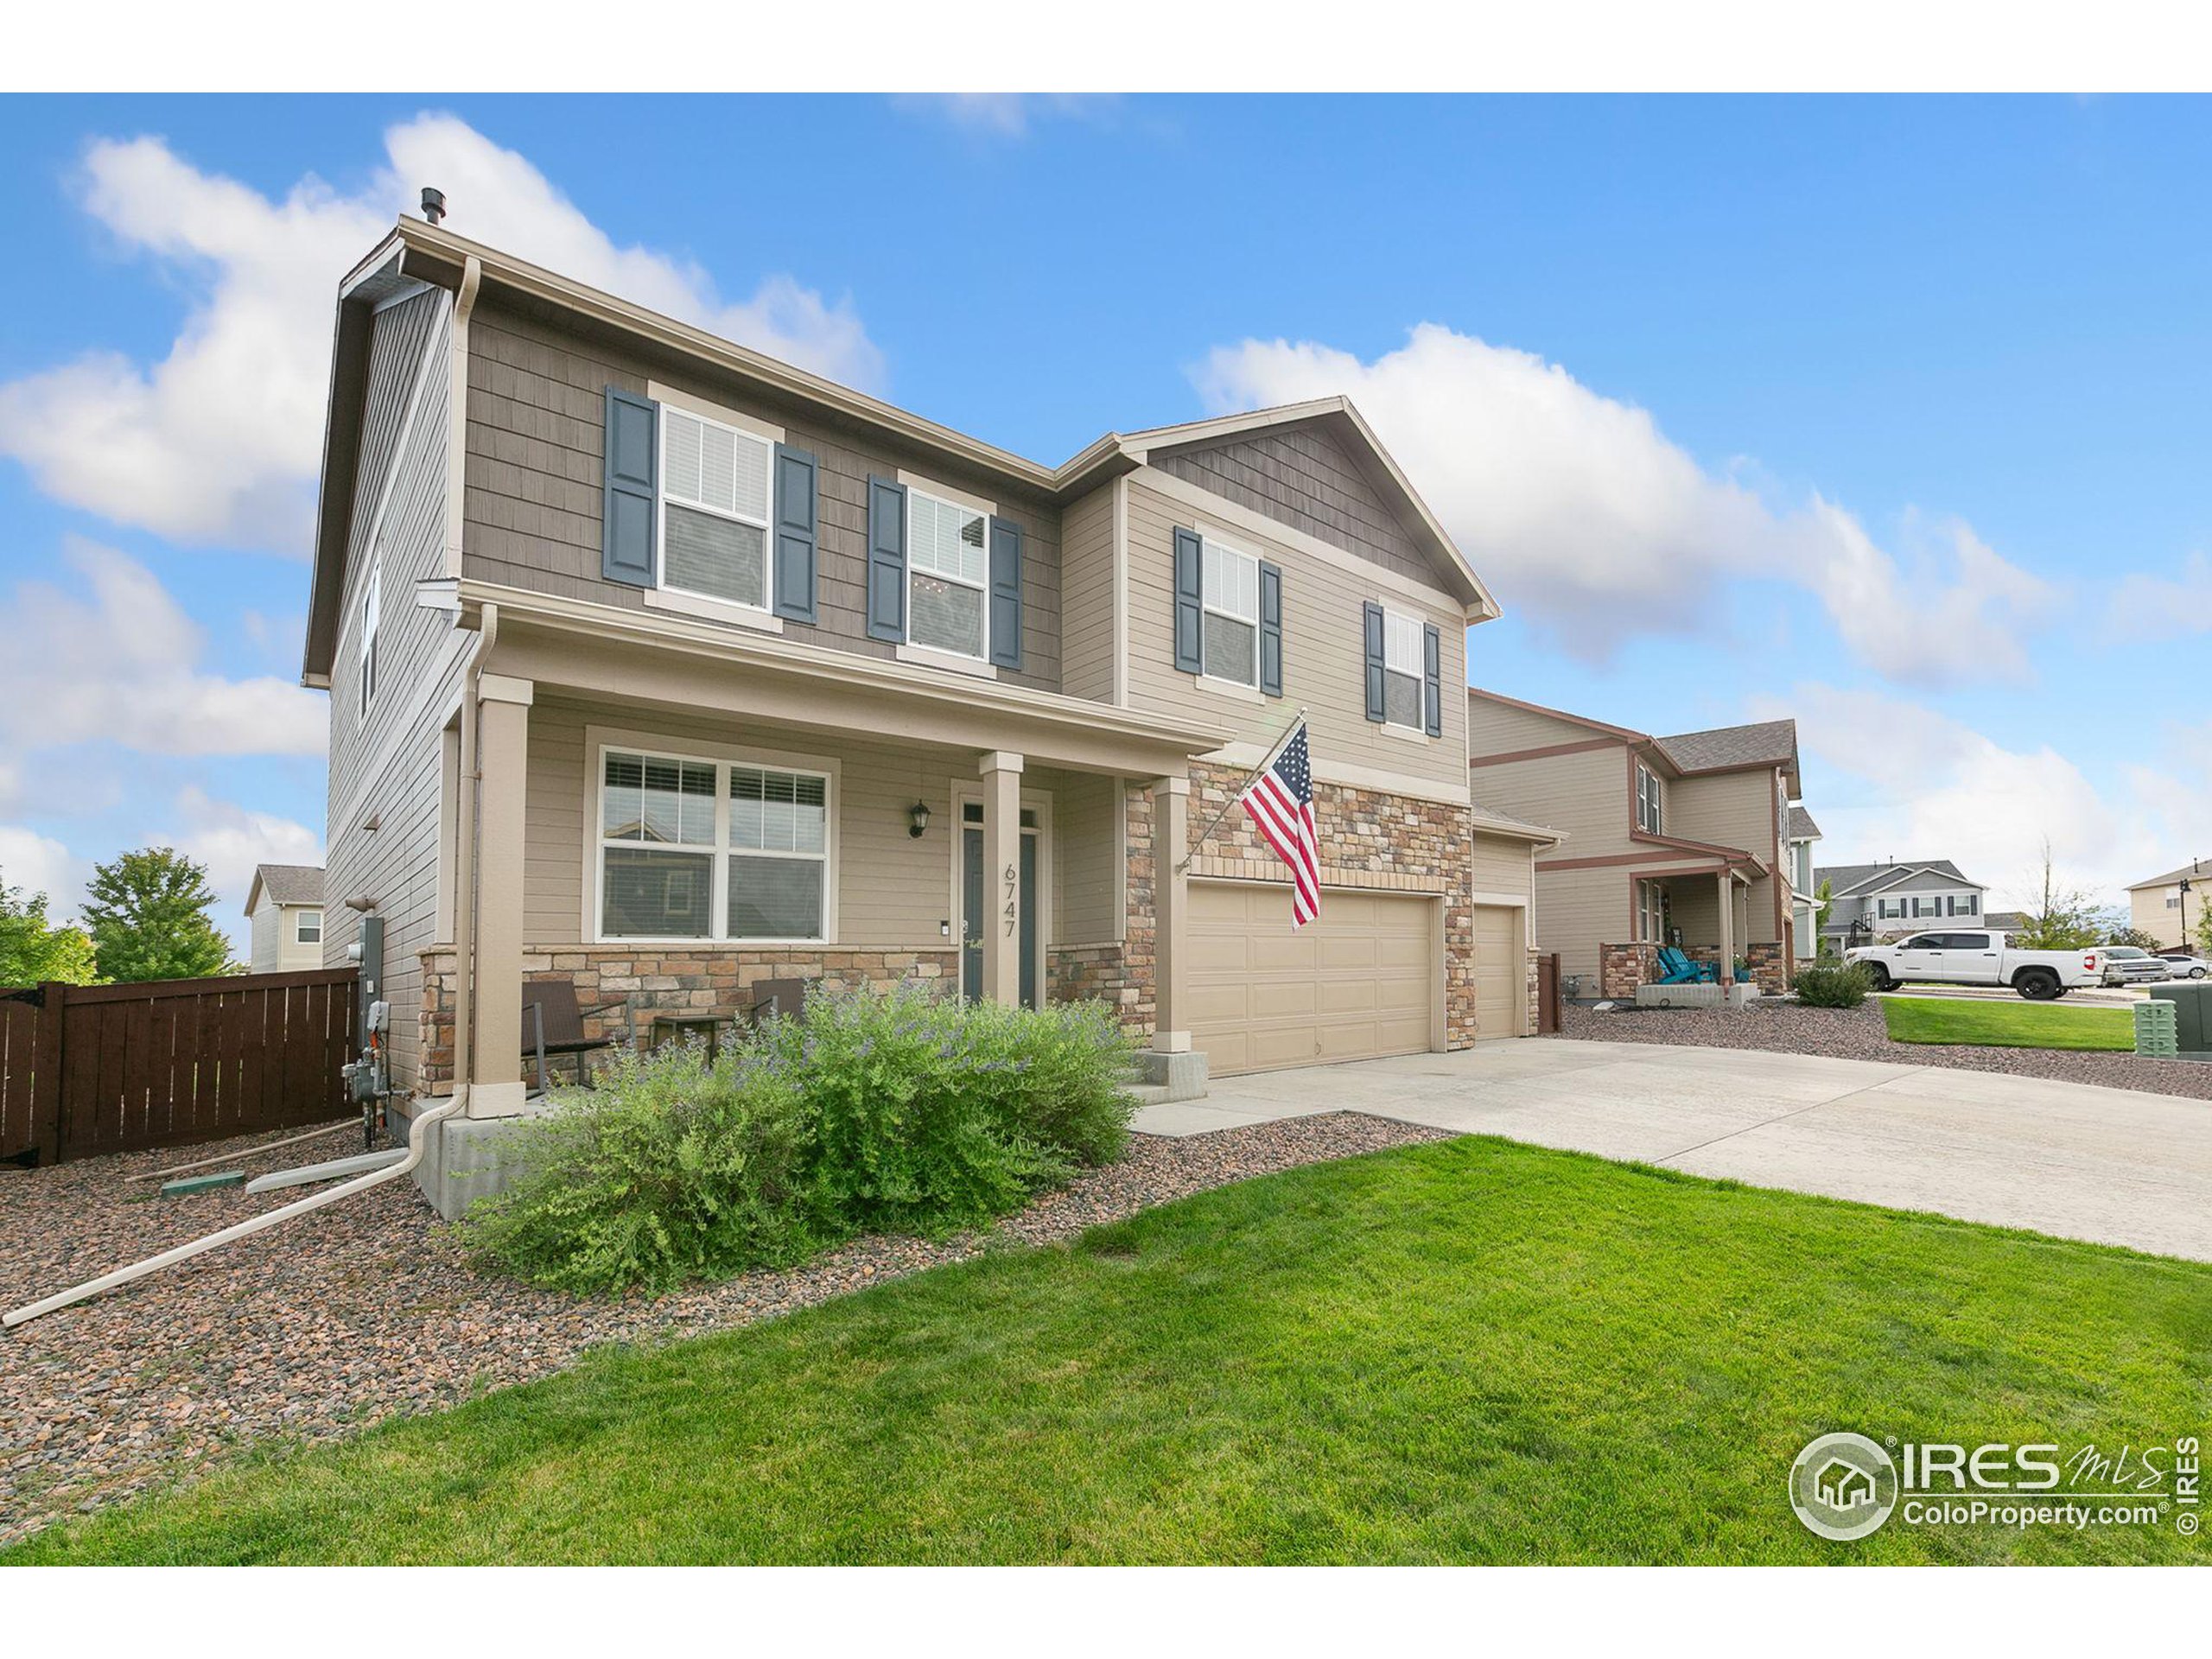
(2169, 907)
(1869, 902)
(665, 668)
(1677, 841)
(283, 908)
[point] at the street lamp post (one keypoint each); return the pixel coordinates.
(2185, 915)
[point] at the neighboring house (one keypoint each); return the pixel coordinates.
(1897, 897)
(2168, 907)
(667, 668)
(1674, 839)
(2005, 921)
(285, 905)
(1805, 891)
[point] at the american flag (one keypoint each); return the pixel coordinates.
(1280, 802)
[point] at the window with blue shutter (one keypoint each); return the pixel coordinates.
(1190, 603)
(1433, 678)
(1270, 629)
(886, 560)
(631, 445)
(1006, 594)
(798, 557)
(1371, 649)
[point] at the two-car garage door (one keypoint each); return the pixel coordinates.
(1359, 982)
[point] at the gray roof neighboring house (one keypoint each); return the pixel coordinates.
(2005, 921)
(1801, 827)
(2196, 870)
(1847, 879)
(286, 884)
(1768, 743)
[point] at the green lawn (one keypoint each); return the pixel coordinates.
(2007, 1025)
(1468, 1350)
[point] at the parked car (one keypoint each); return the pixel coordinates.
(2128, 964)
(1979, 959)
(2182, 965)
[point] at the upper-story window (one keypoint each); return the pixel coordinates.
(1647, 800)
(1404, 664)
(1231, 602)
(307, 927)
(948, 574)
(371, 617)
(714, 500)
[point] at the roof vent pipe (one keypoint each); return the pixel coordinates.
(434, 204)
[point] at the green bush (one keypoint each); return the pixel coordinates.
(897, 1112)
(1833, 985)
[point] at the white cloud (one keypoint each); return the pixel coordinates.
(218, 440)
(1919, 784)
(119, 662)
(36, 863)
(231, 839)
(1579, 511)
(2147, 610)
(1003, 115)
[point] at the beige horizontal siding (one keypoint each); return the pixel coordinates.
(1498, 728)
(1585, 794)
(1087, 617)
(1324, 660)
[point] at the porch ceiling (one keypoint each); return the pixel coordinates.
(598, 652)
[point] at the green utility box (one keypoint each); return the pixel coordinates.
(2154, 1030)
(2192, 1006)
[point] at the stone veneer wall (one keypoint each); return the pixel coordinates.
(620, 987)
(1385, 842)
(1536, 993)
(1770, 968)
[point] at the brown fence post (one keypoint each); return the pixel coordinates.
(46, 1086)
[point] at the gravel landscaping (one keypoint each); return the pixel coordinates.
(366, 1311)
(1859, 1034)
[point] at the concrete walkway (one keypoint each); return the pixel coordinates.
(2107, 1165)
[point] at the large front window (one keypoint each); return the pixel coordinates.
(706, 850)
(715, 485)
(947, 569)
(1231, 603)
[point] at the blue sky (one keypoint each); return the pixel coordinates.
(1889, 414)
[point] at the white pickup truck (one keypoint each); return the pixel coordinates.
(1951, 958)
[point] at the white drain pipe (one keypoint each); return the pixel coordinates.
(418, 1140)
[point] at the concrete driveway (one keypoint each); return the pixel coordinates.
(2107, 1165)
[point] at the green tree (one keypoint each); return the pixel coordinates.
(2064, 918)
(1827, 898)
(32, 949)
(147, 911)
(2134, 936)
(2204, 933)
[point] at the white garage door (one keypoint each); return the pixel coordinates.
(1500, 983)
(1354, 984)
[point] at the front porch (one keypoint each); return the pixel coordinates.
(668, 835)
(1708, 914)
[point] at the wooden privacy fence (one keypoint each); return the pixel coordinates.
(92, 1069)
(1547, 1015)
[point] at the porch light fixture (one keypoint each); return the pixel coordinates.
(917, 819)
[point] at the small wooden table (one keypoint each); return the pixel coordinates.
(678, 1027)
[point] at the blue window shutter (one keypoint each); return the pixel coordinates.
(792, 585)
(1006, 593)
(632, 437)
(1190, 589)
(1270, 629)
(1377, 709)
(1433, 678)
(886, 560)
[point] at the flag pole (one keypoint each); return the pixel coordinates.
(1236, 794)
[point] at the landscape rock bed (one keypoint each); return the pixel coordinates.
(1859, 1034)
(367, 1311)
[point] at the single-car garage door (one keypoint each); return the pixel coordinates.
(1501, 975)
(1355, 983)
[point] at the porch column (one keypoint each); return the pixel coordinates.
(496, 1087)
(1727, 927)
(1000, 922)
(1170, 907)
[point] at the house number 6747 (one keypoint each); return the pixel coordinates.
(1013, 907)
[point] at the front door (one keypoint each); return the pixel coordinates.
(975, 907)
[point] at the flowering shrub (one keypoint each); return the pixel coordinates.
(898, 1111)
